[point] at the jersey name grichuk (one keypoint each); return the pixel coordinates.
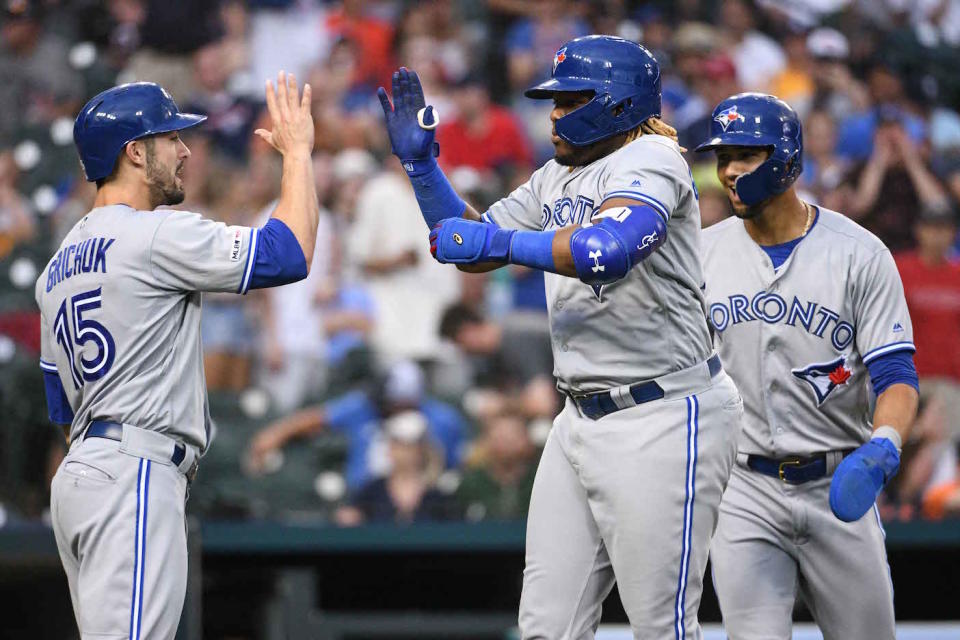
(83, 257)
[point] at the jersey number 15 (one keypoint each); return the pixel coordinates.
(79, 333)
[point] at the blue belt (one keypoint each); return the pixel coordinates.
(114, 431)
(792, 469)
(597, 405)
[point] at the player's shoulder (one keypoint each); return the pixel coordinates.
(721, 232)
(652, 150)
(838, 229)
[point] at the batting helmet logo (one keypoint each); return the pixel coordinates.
(727, 116)
(559, 57)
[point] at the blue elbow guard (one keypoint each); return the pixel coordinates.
(606, 251)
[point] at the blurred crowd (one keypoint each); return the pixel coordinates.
(386, 387)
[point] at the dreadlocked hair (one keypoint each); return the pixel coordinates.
(656, 127)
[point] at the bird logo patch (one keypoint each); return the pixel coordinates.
(560, 56)
(727, 116)
(823, 378)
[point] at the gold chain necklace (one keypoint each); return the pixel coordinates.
(806, 227)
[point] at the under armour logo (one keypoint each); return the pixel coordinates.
(408, 167)
(595, 256)
(647, 241)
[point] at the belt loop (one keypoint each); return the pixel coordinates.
(622, 398)
(832, 460)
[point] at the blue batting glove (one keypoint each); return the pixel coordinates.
(460, 241)
(411, 137)
(860, 478)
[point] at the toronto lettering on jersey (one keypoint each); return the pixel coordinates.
(566, 212)
(814, 318)
(82, 257)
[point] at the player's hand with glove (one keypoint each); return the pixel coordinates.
(410, 123)
(462, 241)
(861, 477)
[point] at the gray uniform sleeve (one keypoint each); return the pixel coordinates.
(883, 321)
(192, 253)
(651, 171)
(48, 357)
(522, 209)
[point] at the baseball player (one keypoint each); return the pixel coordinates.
(631, 477)
(121, 353)
(809, 317)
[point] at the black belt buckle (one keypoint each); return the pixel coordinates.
(790, 462)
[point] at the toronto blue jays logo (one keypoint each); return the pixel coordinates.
(560, 56)
(727, 116)
(823, 378)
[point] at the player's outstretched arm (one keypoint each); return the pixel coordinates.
(275, 436)
(621, 234)
(411, 125)
(863, 474)
(292, 135)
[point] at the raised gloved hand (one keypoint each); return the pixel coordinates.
(460, 241)
(861, 477)
(410, 123)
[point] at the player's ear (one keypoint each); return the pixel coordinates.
(136, 153)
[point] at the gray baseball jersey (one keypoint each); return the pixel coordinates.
(797, 339)
(636, 491)
(120, 315)
(652, 321)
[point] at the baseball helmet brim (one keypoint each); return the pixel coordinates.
(736, 139)
(546, 89)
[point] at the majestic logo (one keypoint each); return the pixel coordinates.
(727, 116)
(825, 377)
(559, 57)
(595, 256)
(647, 241)
(897, 327)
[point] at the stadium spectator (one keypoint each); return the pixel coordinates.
(373, 37)
(758, 58)
(835, 88)
(794, 83)
(409, 288)
(498, 479)
(16, 217)
(359, 416)
(931, 282)
(823, 170)
(483, 135)
(942, 499)
(894, 184)
(406, 494)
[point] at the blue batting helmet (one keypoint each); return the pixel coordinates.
(760, 120)
(624, 77)
(120, 115)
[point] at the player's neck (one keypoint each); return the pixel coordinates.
(113, 193)
(782, 218)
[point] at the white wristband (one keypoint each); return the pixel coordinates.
(890, 434)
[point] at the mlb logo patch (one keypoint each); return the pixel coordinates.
(727, 116)
(560, 56)
(237, 243)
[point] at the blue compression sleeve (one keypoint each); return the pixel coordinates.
(533, 249)
(893, 368)
(434, 192)
(279, 258)
(58, 408)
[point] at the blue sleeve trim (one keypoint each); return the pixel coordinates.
(485, 217)
(890, 348)
(58, 407)
(251, 257)
(657, 206)
(279, 258)
(893, 368)
(48, 366)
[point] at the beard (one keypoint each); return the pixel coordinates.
(162, 185)
(568, 155)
